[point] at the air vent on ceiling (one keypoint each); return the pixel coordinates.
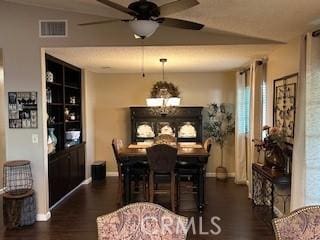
(53, 28)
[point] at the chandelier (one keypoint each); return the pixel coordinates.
(164, 103)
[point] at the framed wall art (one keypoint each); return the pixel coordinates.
(23, 109)
(284, 104)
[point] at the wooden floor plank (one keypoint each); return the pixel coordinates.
(75, 217)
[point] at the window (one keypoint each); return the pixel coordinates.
(264, 104)
(244, 106)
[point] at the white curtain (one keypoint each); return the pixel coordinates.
(252, 92)
(305, 188)
(242, 127)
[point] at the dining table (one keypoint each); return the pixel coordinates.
(187, 152)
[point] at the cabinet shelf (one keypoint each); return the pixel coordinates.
(55, 104)
(76, 121)
(72, 105)
(72, 87)
(54, 84)
(55, 124)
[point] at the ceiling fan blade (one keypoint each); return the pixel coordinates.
(118, 7)
(102, 22)
(177, 6)
(178, 23)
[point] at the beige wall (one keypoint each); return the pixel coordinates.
(89, 119)
(2, 132)
(282, 61)
(114, 93)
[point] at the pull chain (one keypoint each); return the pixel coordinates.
(163, 71)
(142, 60)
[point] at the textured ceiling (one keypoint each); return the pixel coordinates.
(180, 58)
(279, 20)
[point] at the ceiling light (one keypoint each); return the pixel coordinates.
(143, 28)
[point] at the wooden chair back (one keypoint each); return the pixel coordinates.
(117, 145)
(162, 158)
(208, 144)
(165, 138)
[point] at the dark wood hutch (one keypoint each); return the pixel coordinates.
(66, 167)
(181, 118)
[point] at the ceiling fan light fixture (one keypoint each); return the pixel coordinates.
(143, 28)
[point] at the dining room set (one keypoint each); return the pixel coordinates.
(166, 156)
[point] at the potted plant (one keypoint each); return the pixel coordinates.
(219, 126)
(277, 151)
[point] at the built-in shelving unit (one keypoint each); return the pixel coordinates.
(64, 109)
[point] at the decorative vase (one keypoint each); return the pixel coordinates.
(49, 76)
(221, 171)
(52, 140)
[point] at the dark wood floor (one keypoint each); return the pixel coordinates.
(75, 217)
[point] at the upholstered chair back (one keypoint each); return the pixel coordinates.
(142, 221)
(162, 158)
(302, 224)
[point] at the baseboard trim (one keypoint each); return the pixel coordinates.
(243, 182)
(85, 182)
(43, 217)
(112, 174)
(230, 175)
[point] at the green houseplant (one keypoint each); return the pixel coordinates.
(220, 124)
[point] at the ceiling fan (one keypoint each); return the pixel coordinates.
(146, 16)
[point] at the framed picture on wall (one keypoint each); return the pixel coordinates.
(284, 104)
(23, 109)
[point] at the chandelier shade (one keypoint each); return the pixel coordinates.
(154, 102)
(163, 102)
(143, 28)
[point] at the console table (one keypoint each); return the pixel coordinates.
(264, 180)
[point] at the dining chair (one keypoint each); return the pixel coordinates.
(117, 145)
(137, 172)
(188, 170)
(165, 139)
(142, 221)
(162, 160)
(301, 224)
